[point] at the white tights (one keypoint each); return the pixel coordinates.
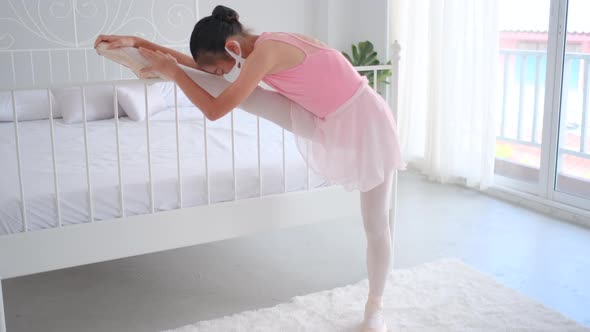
(374, 203)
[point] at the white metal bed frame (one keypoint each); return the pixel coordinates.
(46, 250)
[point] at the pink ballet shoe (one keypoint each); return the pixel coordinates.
(128, 57)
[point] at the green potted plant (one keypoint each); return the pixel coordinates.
(364, 54)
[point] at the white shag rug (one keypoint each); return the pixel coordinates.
(445, 295)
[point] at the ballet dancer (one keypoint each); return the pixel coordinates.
(344, 129)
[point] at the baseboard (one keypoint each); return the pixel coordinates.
(559, 210)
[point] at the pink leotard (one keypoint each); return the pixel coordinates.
(323, 82)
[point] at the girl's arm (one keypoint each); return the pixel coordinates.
(133, 41)
(260, 62)
(183, 59)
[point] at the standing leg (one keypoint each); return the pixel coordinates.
(393, 215)
(375, 205)
(2, 316)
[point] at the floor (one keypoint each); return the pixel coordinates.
(540, 256)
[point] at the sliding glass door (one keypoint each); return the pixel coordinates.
(572, 155)
(543, 127)
(523, 67)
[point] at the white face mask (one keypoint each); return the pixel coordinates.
(232, 76)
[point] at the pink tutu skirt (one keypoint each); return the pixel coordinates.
(354, 146)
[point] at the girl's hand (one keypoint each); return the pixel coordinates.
(118, 41)
(162, 63)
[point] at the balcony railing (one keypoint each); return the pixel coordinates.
(520, 122)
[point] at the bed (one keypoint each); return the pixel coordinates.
(116, 188)
(39, 186)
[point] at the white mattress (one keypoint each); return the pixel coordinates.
(37, 166)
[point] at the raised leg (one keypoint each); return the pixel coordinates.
(267, 104)
(2, 316)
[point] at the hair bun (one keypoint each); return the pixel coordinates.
(225, 14)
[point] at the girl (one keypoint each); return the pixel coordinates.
(343, 129)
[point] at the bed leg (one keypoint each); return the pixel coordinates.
(393, 215)
(2, 316)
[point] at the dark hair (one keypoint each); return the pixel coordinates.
(211, 32)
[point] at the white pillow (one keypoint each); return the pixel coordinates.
(131, 98)
(30, 105)
(167, 91)
(99, 103)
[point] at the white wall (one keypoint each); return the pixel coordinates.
(43, 25)
(53, 24)
(344, 22)
(264, 15)
(59, 25)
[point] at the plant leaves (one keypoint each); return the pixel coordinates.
(355, 55)
(364, 54)
(371, 58)
(366, 47)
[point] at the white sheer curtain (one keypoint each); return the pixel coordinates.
(448, 87)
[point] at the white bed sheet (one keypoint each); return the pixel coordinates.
(37, 166)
